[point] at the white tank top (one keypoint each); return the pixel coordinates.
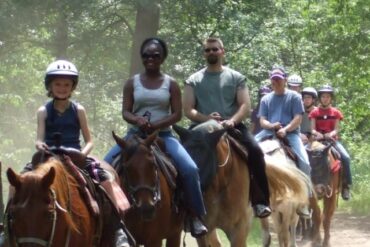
(155, 101)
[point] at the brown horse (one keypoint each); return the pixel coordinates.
(225, 181)
(47, 209)
(152, 216)
(325, 176)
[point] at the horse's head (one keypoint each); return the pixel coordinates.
(320, 167)
(32, 210)
(140, 173)
(201, 144)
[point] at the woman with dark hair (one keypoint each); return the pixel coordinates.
(157, 94)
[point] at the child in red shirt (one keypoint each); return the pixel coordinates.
(325, 124)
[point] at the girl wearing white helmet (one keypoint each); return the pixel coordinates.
(67, 118)
(295, 83)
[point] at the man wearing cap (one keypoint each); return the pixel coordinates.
(280, 114)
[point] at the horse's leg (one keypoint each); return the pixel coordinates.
(237, 233)
(203, 241)
(157, 243)
(327, 215)
(329, 208)
(292, 228)
(174, 240)
(213, 239)
(316, 221)
(266, 236)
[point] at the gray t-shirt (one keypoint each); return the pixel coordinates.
(281, 108)
(306, 124)
(155, 101)
(217, 91)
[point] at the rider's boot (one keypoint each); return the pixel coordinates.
(120, 238)
(261, 210)
(346, 195)
(195, 226)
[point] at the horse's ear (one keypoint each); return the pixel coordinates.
(48, 179)
(183, 133)
(215, 136)
(14, 178)
(119, 140)
(150, 139)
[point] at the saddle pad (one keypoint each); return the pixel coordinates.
(269, 146)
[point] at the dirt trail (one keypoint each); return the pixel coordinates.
(348, 231)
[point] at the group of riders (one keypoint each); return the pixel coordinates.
(320, 121)
(152, 102)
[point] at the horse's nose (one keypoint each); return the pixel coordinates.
(320, 190)
(147, 211)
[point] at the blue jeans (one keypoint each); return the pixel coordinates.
(297, 146)
(346, 160)
(186, 167)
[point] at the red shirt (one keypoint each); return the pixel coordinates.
(325, 118)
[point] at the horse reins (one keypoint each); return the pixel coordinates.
(228, 154)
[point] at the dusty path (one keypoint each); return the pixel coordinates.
(347, 231)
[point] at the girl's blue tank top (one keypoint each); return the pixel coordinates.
(66, 123)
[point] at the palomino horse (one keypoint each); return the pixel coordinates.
(325, 176)
(153, 215)
(225, 181)
(47, 209)
(284, 213)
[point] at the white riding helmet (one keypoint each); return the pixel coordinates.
(294, 80)
(62, 68)
(309, 91)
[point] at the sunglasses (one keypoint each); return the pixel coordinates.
(156, 55)
(214, 49)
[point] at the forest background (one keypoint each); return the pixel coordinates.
(326, 42)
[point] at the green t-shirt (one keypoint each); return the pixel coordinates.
(217, 91)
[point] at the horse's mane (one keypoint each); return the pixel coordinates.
(62, 184)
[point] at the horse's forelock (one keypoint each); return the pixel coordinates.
(131, 147)
(62, 184)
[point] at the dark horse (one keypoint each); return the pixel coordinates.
(152, 216)
(48, 209)
(325, 176)
(225, 181)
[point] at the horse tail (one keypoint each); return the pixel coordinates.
(287, 182)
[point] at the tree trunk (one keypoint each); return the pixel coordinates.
(147, 25)
(1, 196)
(61, 37)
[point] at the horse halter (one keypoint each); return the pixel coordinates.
(133, 190)
(33, 240)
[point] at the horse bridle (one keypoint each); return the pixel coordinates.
(34, 240)
(133, 190)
